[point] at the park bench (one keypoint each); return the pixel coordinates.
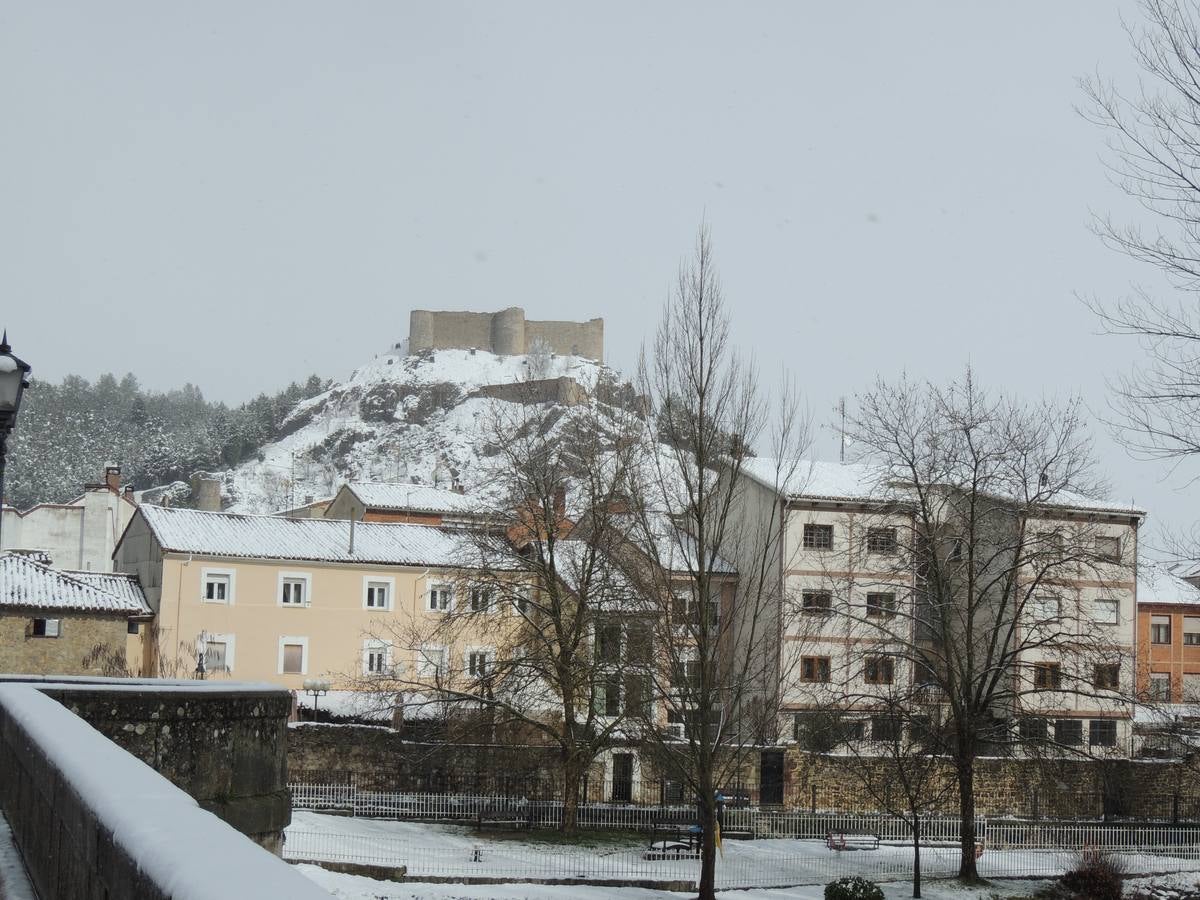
(852, 840)
(683, 843)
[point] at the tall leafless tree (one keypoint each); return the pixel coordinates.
(1154, 156)
(1008, 591)
(715, 637)
(518, 643)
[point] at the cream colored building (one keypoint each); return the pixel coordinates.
(847, 594)
(281, 600)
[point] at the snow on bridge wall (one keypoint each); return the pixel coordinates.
(91, 820)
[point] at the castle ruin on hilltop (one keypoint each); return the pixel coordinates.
(506, 332)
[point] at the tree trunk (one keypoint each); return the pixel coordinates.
(572, 779)
(916, 855)
(708, 846)
(966, 809)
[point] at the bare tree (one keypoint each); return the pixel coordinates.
(1005, 590)
(530, 606)
(715, 635)
(1154, 156)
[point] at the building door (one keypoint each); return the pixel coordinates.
(770, 778)
(622, 779)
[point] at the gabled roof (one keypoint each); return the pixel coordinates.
(415, 497)
(27, 584)
(315, 540)
(807, 479)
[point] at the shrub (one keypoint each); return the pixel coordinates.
(1096, 876)
(853, 888)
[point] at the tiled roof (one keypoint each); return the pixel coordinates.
(417, 497)
(25, 583)
(116, 583)
(318, 540)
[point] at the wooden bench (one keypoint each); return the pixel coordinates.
(483, 821)
(852, 840)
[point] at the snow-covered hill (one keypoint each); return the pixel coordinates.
(397, 418)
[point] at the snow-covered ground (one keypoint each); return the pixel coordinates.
(458, 852)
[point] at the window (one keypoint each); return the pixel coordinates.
(610, 696)
(216, 655)
(50, 628)
(1107, 611)
(686, 609)
(479, 662)
(814, 668)
(377, 593)
(639, 644)
(686, 673)
(293, 656)
(216, 585)
(1043, 610)
(1191, 688)
(431, 661)
(481, 600)
(1102, 733)
(131, 627)
(1047, 676)
(879, 669)
(377, 658)
(1191, 630)
(294, 589)
(1108, 549)
(818, 537)
(1160, 629)
(881, 540)
(882, 605)
(608, 644)
(1160, 687)
(885, 728)
(521, 600)
(958, 548)
(1068, 732)
(441, 598)
(1052, 543)
(1107, 676)
(817, 603)
(637, 695)
(1032, 729)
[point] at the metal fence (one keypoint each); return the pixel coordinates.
(1011, 849)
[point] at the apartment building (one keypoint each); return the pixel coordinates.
(280, 600)
(851, 605)
(1168, 635)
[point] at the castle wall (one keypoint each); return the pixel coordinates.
(505, 332)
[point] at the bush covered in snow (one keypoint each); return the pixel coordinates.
(853, 887)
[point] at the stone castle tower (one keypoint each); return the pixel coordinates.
(505, 332)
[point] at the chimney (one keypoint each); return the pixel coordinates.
(560, 502)
(206, 492)
(112, 478)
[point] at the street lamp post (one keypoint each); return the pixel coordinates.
(316, 688)
(14, 378)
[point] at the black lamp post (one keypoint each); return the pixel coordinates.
(14, 378)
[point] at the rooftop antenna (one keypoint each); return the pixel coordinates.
(842, 430)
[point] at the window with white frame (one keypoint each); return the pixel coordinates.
(480, 661)
(1160, 629)
(377, 593)
(295, 589)
(1191, 630)
(216, 585)
(521, 599)
(377, 658)
(1108, 549)
(1043, 610)
(1107, 611)
(48, 628)
(441, 598)
(293, 656)
(431, 661)
(481, 599)
(218, 653)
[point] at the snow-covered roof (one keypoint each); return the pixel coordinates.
(1159, 582)
(416, 497)
(316, 540)
(28, 584)
(671, 546)
(820, 480)
(119, 584)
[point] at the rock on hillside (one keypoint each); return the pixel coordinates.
(397, 418)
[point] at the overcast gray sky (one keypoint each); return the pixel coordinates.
(237, 194)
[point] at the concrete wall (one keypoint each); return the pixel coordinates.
(224, 745)
(22, 652)
(77, 535)
(505, 332)
(90, 820)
